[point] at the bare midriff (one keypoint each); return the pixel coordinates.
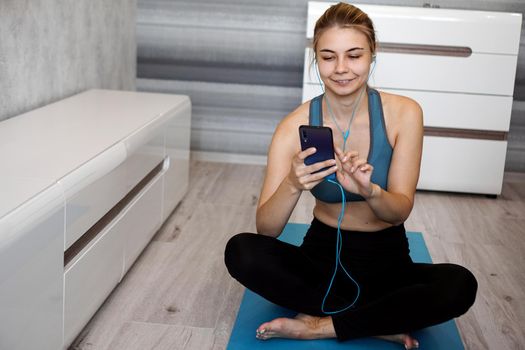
(358, 216)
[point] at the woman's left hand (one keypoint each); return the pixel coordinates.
(355, 173)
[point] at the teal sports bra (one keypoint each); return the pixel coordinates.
(379, 154)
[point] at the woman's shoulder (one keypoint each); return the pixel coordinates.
(300, 116)
(285, 140)
(399, 102)
(401, 108)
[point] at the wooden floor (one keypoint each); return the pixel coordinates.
(178, 295)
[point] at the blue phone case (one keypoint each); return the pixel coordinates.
(321, 138)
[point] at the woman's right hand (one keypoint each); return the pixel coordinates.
(302, 177)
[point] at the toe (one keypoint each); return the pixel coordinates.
(260, 333)
(411, 343)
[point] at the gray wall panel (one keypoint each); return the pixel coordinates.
(516, 150)
(188, 71)
(227, 49)
(252, 97)
(52, 49)
(231, 118)
(257, 43)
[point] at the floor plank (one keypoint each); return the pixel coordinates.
(140, 336)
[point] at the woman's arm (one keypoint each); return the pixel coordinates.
(395, 204)
(286, 177)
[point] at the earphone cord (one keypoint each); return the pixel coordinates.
(339, 239)
(346, 133)
(338, 247)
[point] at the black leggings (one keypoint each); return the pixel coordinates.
(396, 295)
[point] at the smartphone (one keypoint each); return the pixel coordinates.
(321, 138)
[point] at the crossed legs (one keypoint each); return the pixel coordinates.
(284, 275)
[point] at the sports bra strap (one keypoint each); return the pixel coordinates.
(379, 153)
(316, 111)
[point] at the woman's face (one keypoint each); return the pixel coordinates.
(343, 57)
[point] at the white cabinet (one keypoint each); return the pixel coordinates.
(31, 270)
(81, 198)
(176, 179)
(445, 60)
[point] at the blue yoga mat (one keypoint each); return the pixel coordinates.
(255, 310)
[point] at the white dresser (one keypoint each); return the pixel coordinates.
(84, 184)
(460, 66)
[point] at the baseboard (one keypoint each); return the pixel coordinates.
(229, 157)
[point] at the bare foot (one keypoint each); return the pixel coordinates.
(301, 327)
(310, 327)
(405, 339)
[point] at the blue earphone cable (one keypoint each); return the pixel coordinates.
(339, 245)
(345, 133)
(339, 239)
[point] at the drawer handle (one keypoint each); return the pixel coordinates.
(466, 133)
(99, 226)
(420, 49)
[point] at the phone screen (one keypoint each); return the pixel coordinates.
(321, 138)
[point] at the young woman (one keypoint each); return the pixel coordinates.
(378, 290)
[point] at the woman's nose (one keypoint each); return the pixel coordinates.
(341, 66)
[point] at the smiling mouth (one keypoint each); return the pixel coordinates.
(343, 81)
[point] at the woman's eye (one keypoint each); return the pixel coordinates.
(354, 57)
(330, 58)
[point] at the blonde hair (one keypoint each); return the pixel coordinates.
(344, 15)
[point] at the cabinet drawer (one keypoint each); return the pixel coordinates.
(450, 110)
(446, 73)
(145, 149)
(142, 220)
(482, 31)
(462, 111)
(462, 165)
(436, 73)
(92, 277)
(92, 190)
